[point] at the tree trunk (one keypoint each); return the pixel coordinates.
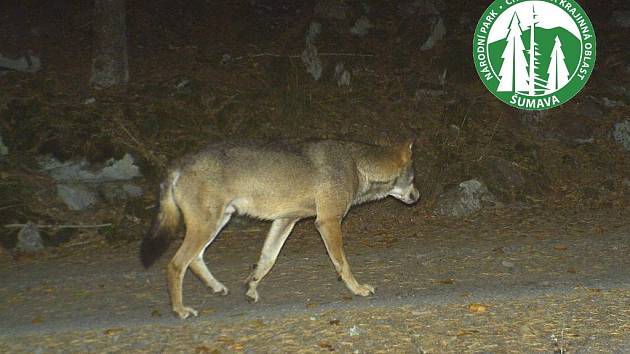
(110, 63)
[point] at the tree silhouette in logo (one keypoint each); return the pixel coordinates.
(558, 72)
(519, 73)
(534, 81)
(513, 71)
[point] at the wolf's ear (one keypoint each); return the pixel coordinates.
(405, 149)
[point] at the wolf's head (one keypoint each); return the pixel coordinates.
(403, 187)
(388, 171)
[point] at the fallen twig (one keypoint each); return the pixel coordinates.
(244, 231)
(223, 104)
(299, 56)
(49, 226)
(79, 243)
(10, 206)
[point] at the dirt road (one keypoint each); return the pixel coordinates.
(505, 280)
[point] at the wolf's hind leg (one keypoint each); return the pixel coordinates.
(192, 245)
(278, 234)
(199, 267)
(201, 228)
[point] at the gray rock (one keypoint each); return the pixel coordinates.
(310, 58)
(183, 83)
(438, 31)
(621, 134)
(28, 63)
(312, 61)
(313, 32)
(344, 79)
(79, 181)
(226, 59)
(362, 27)
(122, 169)
(76, 196)
(81, 171)
(342, 75)
(468, 197)
(89, 100)
(29, 239)
(621, 18)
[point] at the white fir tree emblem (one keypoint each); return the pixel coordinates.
(513, 71)
(534, 81)
(558, 72)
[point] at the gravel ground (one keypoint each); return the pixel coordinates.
(506, 280)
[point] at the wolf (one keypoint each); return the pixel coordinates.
(280, 182)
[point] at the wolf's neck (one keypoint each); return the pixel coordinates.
(370, 190)
(368, 197)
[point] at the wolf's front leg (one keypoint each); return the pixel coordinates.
(330, 230)
(278, 233)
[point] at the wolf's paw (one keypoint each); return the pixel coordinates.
(221, 290)
(364, 290)
(183, 312)
(252, 295)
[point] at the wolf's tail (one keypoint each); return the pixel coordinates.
(165, 223)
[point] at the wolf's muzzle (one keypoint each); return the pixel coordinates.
(412, 197)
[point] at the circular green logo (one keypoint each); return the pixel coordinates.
(534, 55)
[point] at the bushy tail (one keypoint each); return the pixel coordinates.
(165, 223)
